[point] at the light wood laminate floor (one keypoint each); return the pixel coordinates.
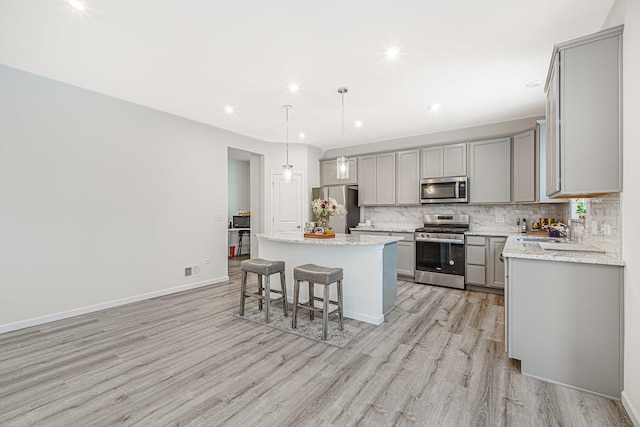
(185, 359)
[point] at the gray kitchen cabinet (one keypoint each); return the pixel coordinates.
(444, 160)
(564, 322)
(329, 169)
(490, 171)
(583, 112)
(495, 271)
(408, 179)
(406, 254)
(377, 179)
(524, 167)
(483, 268)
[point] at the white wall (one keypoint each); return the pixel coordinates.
(630, 201)
(239, 187)
(104, 201)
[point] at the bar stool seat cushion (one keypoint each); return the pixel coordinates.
(262, 266)
(317, 274)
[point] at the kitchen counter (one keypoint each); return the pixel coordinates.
(531, 250)
(369, 266)
(489, 233)
(339, 240)
(388, 228)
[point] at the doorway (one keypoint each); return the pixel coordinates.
(244, 201)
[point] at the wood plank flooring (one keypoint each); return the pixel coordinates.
(438, 360)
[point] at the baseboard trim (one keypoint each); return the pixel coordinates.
(375, 320)
(633, 412)
(109, 304)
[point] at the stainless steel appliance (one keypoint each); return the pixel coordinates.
(444, 190)
(346, 195)
(440, 250)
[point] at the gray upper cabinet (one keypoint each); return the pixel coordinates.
(329, 169)
(377, 179)
(444, 160)
(490, 171)
(408, 182)
(584, 116)
(524, 167)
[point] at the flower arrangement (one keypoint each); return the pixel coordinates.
(323, 209)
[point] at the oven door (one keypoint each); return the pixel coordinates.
(440, 262)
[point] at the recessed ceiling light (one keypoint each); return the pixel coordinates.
(434, 107)
(302, 135)
(391, 52)
(293, 87)
(534, 83)
(229, 109)
(78, 5)
(358, 123)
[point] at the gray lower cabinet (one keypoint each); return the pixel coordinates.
(406, 254)
(406, 250)
(490, 171)
(483, 266)
(564, 322)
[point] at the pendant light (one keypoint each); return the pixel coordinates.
(287, 169)
(342, 161)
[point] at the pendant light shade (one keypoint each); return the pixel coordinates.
(342, 162)
(287, 169)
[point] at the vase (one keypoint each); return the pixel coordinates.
(323, 222)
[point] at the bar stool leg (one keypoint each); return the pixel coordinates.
(325, 312)
(260, 291)
(296, 294)
(340, 305)
(283, 286)
(243, 290)
(267, 297)
(311, 296)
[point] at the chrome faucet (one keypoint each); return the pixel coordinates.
(566, 232)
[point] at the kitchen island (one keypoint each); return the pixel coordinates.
(369, 264)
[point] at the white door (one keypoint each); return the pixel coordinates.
(287, 203)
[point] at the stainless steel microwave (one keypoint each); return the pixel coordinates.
(444, 190)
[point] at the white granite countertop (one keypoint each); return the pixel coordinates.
(490, 233)
(387, 228)
(532, 250)
(339, 240)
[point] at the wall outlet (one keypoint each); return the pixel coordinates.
(217, 218)
(207, 261)
(402, 218)
(594, 227)
(373, 218)
(501, 219)
(606, 229)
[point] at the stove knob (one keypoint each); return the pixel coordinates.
(451, 262)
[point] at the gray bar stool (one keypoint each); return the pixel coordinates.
(263, 267)
(315, 274)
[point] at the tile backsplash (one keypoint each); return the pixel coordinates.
(601, 212)
(502, 218)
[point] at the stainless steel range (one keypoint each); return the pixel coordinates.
(440, 250)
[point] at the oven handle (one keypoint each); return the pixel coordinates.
(434, 240)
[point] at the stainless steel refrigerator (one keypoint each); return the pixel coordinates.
(346, 195)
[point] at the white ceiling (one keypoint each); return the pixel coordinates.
(193, 57)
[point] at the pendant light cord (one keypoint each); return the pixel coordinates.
(342, 123)
(287, 108)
